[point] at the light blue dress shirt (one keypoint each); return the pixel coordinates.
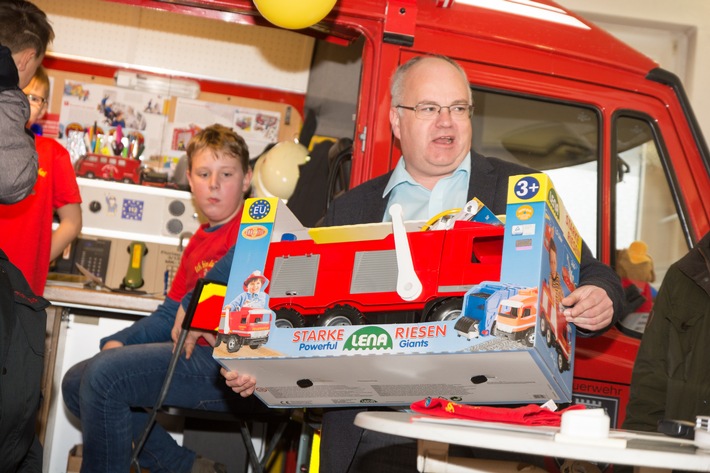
(420, 203)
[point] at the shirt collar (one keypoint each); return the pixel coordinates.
(400, 174)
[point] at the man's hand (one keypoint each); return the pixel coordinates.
(111, 344)
(589, 308)
(243, 385)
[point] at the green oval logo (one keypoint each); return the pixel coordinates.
(369, 338)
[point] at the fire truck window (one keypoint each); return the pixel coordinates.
(559, 139)
(645, 208)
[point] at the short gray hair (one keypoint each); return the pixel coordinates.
(397, 81)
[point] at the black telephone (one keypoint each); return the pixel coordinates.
(91, 254)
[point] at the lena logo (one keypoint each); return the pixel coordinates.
(369, 338)
(254, 232)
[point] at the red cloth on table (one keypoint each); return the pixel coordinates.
(532, 414)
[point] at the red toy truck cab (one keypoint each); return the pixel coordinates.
(245, 326)
(110, 168)
(553, 91)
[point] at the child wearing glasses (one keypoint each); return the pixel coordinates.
(55, 190)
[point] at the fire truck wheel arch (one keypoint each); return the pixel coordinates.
(289, 318)
(341, 315)
(447, 309)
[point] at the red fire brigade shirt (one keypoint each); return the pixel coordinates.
(206, 246)
(26, 233)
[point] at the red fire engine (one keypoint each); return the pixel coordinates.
(353, 282)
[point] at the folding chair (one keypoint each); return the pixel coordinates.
(206, 312)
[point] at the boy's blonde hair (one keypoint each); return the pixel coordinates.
(41, 79)
(219, 138)
(24, 26)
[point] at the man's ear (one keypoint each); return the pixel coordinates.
(394, 121)
(24, 58)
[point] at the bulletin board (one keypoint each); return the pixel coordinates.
(88, 112)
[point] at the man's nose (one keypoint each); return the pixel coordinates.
(444, 116)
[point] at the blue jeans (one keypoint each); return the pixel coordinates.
(109, 391)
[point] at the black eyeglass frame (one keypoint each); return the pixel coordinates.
(36, 99)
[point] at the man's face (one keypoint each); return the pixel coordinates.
(432, 148)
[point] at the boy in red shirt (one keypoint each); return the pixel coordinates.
(33, 248)
(107, 392)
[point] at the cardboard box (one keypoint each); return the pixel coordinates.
(341, 275)
(542, 249)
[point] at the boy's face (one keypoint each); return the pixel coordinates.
(553, 262)
(37, 96)
(254, 286)
(218, 185)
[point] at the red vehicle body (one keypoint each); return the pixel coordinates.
(545, 54)
(353, 282)
(245, 326)
(110, 168)
(554, 328)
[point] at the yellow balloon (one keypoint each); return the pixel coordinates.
(294, 14)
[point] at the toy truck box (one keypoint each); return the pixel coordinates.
(541, 250)
(320, 352)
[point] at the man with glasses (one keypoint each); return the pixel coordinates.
(430, 115)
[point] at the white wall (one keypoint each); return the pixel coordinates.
(181, 44)
(676, 22)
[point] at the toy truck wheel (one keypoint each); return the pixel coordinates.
(233, 344)
(448, 309)
(90, 175)
(543, 324)
(529, 337)
(289, 318)
(341, 315)
(548, 338)
(218, 340)
(254, 346)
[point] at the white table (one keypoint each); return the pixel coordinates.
(654, 452)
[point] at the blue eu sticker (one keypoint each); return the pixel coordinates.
(526, 188)
(259, 209)
(132, 209)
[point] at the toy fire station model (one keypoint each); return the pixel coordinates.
(388, 313)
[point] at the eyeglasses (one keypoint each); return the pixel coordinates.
(427, 111)
(36, 99)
